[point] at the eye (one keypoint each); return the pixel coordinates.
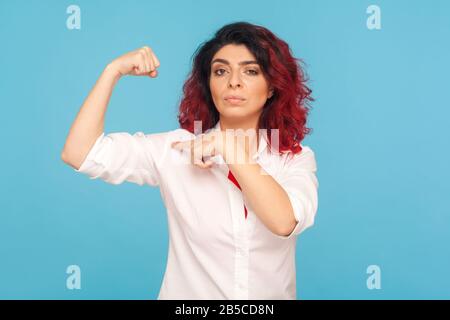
(253, 72)
(218, 74)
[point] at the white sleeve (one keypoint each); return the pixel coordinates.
(299, 180)
(120, 156)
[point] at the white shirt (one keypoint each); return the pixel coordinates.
(214, 251)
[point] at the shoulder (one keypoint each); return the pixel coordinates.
(305, 159)
(164, 139)
(158, 139)
(157, 144)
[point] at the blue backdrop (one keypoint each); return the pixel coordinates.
(381, 129)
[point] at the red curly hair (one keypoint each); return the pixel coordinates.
(286, 110)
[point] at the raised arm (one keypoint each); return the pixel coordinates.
(89, 122)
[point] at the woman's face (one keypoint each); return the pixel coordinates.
(235, 72)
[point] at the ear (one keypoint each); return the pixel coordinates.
(271, 90)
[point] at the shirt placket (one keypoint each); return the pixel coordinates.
(241, 257)
(240, 219)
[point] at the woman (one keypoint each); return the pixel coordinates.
(235, 206)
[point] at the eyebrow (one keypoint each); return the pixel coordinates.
(240, 63)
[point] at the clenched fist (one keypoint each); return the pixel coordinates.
(140, 62)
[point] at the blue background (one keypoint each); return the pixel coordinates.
(381, 129)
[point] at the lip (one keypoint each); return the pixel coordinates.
(232, 96)
(233, 99)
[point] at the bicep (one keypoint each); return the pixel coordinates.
(121, 156)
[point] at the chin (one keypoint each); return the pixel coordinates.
(234, 112)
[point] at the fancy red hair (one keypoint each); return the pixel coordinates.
(286, 110)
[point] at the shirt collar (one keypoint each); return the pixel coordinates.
(262, 145)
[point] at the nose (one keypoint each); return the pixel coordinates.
(234, 81)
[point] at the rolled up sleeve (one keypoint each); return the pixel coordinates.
(298, 179)
(120, 156)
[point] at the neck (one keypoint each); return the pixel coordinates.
(235, 124)
(243, 124)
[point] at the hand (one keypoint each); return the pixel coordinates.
(140, 62)
(234, 148)
(203, 146)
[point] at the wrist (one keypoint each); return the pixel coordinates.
(113, 71)
(232, 149)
